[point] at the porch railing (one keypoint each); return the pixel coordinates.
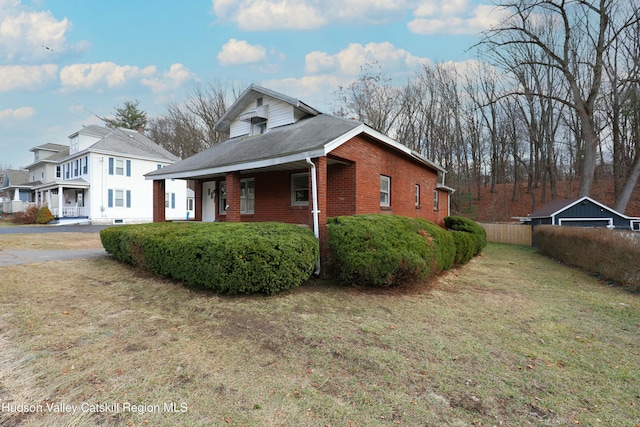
(70, 211)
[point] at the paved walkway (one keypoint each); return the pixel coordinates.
(27, 256)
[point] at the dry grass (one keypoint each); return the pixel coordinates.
(511, 339)
(51, 241)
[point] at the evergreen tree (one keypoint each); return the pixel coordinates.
(128, 116)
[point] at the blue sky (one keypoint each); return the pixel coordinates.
(62, 63)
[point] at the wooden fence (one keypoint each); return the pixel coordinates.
(509, 233)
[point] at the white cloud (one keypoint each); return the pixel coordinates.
(262, 15)
(454, 17)
(238, 52)
(177, 75)
(350, 60)
(27, 35)
(14, 77)
(88, 76)
(19, 114)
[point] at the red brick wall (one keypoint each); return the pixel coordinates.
(373, 159)
(341, 189)
(158, 201)
(273, 200)
(353, 187)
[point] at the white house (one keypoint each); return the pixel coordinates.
(99, 177)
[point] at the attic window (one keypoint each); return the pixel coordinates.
(259, 102)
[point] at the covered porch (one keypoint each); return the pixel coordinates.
(65, 199)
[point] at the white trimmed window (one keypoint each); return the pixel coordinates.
(417, 190)
(119, 198)
(247, 195)
(300, 189)
(223, 197)
(385, 191)
(435, 200)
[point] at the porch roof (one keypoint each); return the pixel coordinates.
(284, 147)
(72, 183)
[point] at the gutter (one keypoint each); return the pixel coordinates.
(315, 211)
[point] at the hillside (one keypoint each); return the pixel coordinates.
(501, 207)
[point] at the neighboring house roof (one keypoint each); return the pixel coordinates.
(313, 136)
(555, 207)
(50, 147)
(15, 177)
(127, 142)
(552, 208)
(224, 123)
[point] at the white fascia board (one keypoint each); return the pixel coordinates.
(258, 164)
(382, 138)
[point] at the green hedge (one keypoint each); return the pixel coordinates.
(387, 250)
(479, 235)
(229, 258)
(465, 246)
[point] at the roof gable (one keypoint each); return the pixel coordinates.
(556, 207)
(249, 96)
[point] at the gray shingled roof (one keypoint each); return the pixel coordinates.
(305, 135)
(16, 177)
(50, 146)
(551, 208)
(129, 142)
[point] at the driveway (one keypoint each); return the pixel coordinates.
(34, 229)
(27, 256)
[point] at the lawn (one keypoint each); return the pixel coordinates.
(510, 339)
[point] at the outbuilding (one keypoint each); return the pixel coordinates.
(581, 212)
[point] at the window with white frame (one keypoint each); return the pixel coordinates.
(300, 189)
(417, 190)
(58, 171)
(385, 191)
(247, 195)
(118, 198)
(170, 200)
(435, 200)
(223, 197)
(119, 167)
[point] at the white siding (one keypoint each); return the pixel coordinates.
(280, 113)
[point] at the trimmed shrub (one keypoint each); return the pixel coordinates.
(44, 216)
(465, 246)
(479, 235)
(387, 250)
(229, 258)
(609, 254)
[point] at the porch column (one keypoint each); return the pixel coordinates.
(233, 196)
(60, 201)
(49, 198)
(159, 213)
(197, 207)
(16, 195)
(321, 182)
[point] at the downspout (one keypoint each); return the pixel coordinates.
(315, 211)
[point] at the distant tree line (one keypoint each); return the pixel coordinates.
(556, 97)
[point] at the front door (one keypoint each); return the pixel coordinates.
(209, 201)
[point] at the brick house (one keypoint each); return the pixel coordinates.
(286, 161)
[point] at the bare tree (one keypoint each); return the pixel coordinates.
(371, 99)
(573, 36)
(188, 128)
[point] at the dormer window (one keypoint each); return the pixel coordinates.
(259, 127)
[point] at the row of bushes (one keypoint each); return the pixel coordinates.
(229, 258)
(610, 254)
(390, 250)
